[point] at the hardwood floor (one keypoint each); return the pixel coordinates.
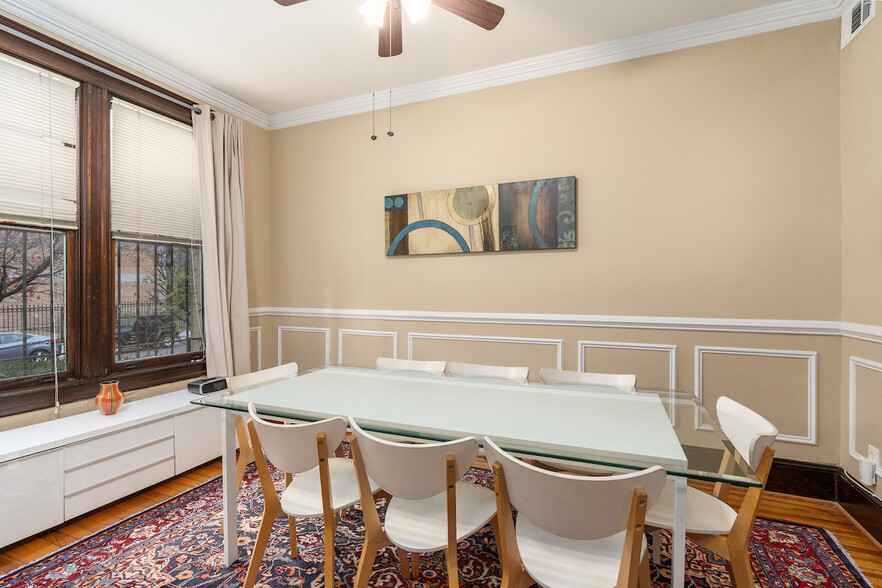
(828, 515)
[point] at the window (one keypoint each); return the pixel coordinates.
(100, 253)
(38, 188)
(156, 228)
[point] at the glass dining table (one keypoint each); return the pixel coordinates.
(578, 425)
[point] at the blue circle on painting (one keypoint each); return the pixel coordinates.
(388, 203)
(399, 202)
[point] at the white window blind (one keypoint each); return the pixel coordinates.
(154, 177)
(38, 152)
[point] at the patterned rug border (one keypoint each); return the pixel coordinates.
(91, 536)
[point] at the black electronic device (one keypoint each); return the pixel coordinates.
(207, 385)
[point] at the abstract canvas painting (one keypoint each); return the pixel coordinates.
(516, 216)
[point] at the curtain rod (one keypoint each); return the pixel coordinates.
(96, 67)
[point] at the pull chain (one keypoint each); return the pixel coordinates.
(390, 133)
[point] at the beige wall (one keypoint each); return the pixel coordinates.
(708, 185)
(861, 237)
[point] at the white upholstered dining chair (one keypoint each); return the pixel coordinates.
(240, 383)
(571, 531)
(475, 370)
(389, 364)
(711, 522)
(430, 507)
(569, 377)
(321, 486)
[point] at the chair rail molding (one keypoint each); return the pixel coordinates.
(864, 332)
(341, 332)
(855, 362)
(671, 350)
(324, 330)
(557, 343)
(259, 347)
(812, 389)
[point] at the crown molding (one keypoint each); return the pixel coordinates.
(742, 24)
(79, 33)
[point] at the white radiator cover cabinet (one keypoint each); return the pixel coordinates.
(55, 471)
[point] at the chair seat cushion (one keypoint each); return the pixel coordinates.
(563, 563)
(705, 514)
(303, 497)
(421, 525)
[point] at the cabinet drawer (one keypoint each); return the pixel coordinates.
(125, 462)
(87, 500)
(99, 448)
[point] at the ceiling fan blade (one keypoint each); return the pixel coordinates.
(289, 2)
(390, 32)
(480, 12)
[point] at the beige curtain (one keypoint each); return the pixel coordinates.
(221, 185)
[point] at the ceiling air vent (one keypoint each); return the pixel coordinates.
(855, 19)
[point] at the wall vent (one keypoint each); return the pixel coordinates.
(855, 17)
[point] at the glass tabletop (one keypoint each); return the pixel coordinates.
(582, 424)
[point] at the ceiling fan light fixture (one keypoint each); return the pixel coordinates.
(415, 9)
(373, 11)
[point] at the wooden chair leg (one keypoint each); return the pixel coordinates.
(452, 566)
(740, 570)
(330, 554)
(366, 562)
(263, 534)
(643, 579)
(414, 565)
(292, 537)
(656, 546)
(405, 563)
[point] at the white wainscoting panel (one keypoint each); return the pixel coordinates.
(855, 362)
(671, 350)
(341, 332)
(557, 343)
(259, 348)
(324, 330)
(811, 358)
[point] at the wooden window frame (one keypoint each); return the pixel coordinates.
(90, 251)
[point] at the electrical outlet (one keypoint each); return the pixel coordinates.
(873, 456)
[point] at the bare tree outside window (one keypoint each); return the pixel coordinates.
(32, 303)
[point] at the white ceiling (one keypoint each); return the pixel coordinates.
(278, 59)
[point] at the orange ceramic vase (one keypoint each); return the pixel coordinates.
(109, 399)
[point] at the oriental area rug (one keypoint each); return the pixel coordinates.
(176, 544)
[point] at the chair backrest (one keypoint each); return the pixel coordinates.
(475, 370)
(292, 448)
(575, 507)
(553, 376)
(412, 471)
(388, 364)
(278, 372)
(749, 432)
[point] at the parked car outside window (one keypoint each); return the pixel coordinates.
(16, 345)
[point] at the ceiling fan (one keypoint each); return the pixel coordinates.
(387, 15)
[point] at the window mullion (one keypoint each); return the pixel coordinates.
(95, 331)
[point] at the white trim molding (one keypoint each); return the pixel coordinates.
(776, 326)
(325, 330)
(557, 343)
(670, 349)
(811, 438)
(259, 347)
(855, 362)
(341, 332)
